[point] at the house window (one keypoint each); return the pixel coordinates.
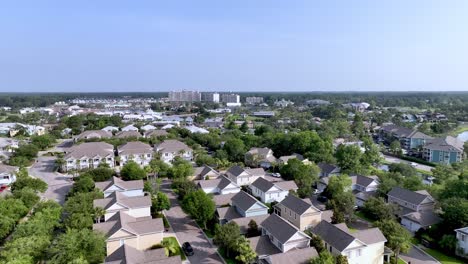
(166, 154)
(358, 253)
(348, 254)
(463, 238)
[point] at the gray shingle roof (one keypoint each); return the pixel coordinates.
(135, 147)
(263, 184)
(129, 202)
(235, 170)
(333, 235)
(128, 134)
(90, 150)
(407, 195)
(423, 218)
(243, 222)
(156, 133)
(326, 168)
(125, 185)
(137, 226)
(293, 156)
(126, 254)
(296, 204)
(281, 229)
(364, 180)
(404, 132)
(287, 185)
(244, 201)
(7, 169)
(227, 213)
(296, 256)
(263, 246)
(94, 134)
(172, 145)
(447, 143)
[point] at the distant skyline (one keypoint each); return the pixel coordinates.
(239, 46)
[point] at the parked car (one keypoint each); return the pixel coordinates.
(187, 248)
(322, 199)
(276, 174)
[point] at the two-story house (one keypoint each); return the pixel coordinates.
(327, 169)
(221, 185)
(204, 172)
(364, 187)
(171, 148)
(246, 205)
(410, 201)
(136, 151)
(462, 242)
(128, 188)
(283, 235)
(140, 233)
(88, 156)
(7, 174)
(445, 150)
(242, 176)
(298, 212)
(269, 192)
(259, 157)
(361, 247)
(136, 206)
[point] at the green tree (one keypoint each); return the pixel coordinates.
(316, 242)
(324, 257)
(343, 206)
(181, 169)
(183, 187)
(132, 171)
(378, 209)
(199, 206)
(371, 153)
(244, 251)
(348, 158)
(24, 181)
(27, 195)
(395, 147)
(100, 174)
(159, 167)
(235, 149)
(443, 173)
(358, 127)
(337, 185)
(227, 236)
(160, 202)
(244, 127)
(83, 184)
(252, 229)
(455, 213)
(43, 142)
(340, 259)
(398, 238)
(303, 175)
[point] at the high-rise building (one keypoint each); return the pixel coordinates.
(230, 98)
(254, 100)
(210, 97)
(184, 96)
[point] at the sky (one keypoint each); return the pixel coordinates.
(241, 45)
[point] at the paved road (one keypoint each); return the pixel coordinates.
(187, 230)
(417, 256)
(58, 185)
(397, 160)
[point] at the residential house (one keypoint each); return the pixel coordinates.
(155, 133)
(271, 192)
(416, 220)
(128, 134)
(462, 242)
(361, 247)
(140, 233)
(260, 157)
(243, 222)
(242, 176)
(327, 170)
(409, 201)
(110, 129)
(297, 256)
(7, 174)
(204, 172)
(194, 129)
(445, 150)
(93, 134)
(409, 138)
(127, 254)
(221, 185)
(284, 159)
(88, 156)
(128, 188)
(246, 205)
(364, 187)
(223, 200)
(298, 212)
(148, 127)
(136, 206)
(136, 151)
(283, 235)
(130, 128)
(171, 148)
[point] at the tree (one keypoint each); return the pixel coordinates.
(358, 127)
(181, 169)
(337, 185)
(160, 202)
(83, 184)
(395, 147)
(199, 206)
(444, 173)
(132, 171)
(340, 259)
(252, 229)
(227, 236)
(371, 153)
(402, 168)
(304, 175)
(343, 206)
(27, 195)
(413, 183)
(235, 149)
(183, 187)
(159, 167)
(78, 244)
(244, 127)
(398, 238)
(455, 213)
(324, 257)
(348, 158)
(24, 181)
(98, 213)
(100, 173)
(386, 185)
(316, 242)
(378, 209)
(43, 142)
(244, 251)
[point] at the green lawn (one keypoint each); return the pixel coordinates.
(179, 251)
(444, 259)
(458, 130)
(363, 217)
(226, 259)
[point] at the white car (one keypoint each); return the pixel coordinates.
(276, 174)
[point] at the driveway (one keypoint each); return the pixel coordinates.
(391, 159)
(417, 256)
(58, 185)
(187, 230)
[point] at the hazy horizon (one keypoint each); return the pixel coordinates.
(243, 46)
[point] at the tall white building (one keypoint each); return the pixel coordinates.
(210, 97)
(254, 100)
(231, 99)
(184, 96)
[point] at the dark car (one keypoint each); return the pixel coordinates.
(187, 248)
(322, 199)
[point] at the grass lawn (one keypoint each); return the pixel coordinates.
(458, 130)
(363, 217)
(444, 259)
(179, 251)
(223, 254)
(400, 261)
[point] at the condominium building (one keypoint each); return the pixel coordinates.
(184, 96)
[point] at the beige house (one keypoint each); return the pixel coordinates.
(283, 235)
(204, 172)
(136, 151)
(137, 206)
(140, 233)
(169, 149)
(88, 156)
(259, 157)
(298, 212)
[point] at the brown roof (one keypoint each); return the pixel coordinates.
(129, 202)
(88, 134)
(125, 185)
(7, 169)
(172, 145)
(263, 246)
(243, 222)
(90, 150)
(156, 133)
(287, 185)
(223, 199)
(136, 226)
(134, 147)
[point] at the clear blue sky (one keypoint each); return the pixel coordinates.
(241, 45)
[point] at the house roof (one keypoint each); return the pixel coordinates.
(172, 145)
(129, 202)
(370, 236)
(256, 171)
(126, 254)
(227, 213)
(90, 150)
(263, 246)
(263, 185)
(409, 196)
(245, 201)
(156, 133)
(296, 204)
(243, 222)
(281, 229)
(326, 168)
(136, 226)
(204, 170)
(297, 256)
(424, 219)
(127, 134)
(7, 169)
(223, 199)
(447, 143)
(287, 185)
(404, 132)
(220, 182)
(94, 134)
(134, 147)
(285, 159)
(364, 180)
(462, 230)
(235, 170)
(125, 185)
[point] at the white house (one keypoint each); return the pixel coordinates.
(88, 156)
(130, 128)
(221, 185)
(462, 242)
(283, 235)
(136, 206)
(271, 192)
(244, 176)
(128, 188)
(136, 151)
(110, 129)
(169, 149)
(7, 174)
(248, 206)
(148, 127)
(416, 220)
